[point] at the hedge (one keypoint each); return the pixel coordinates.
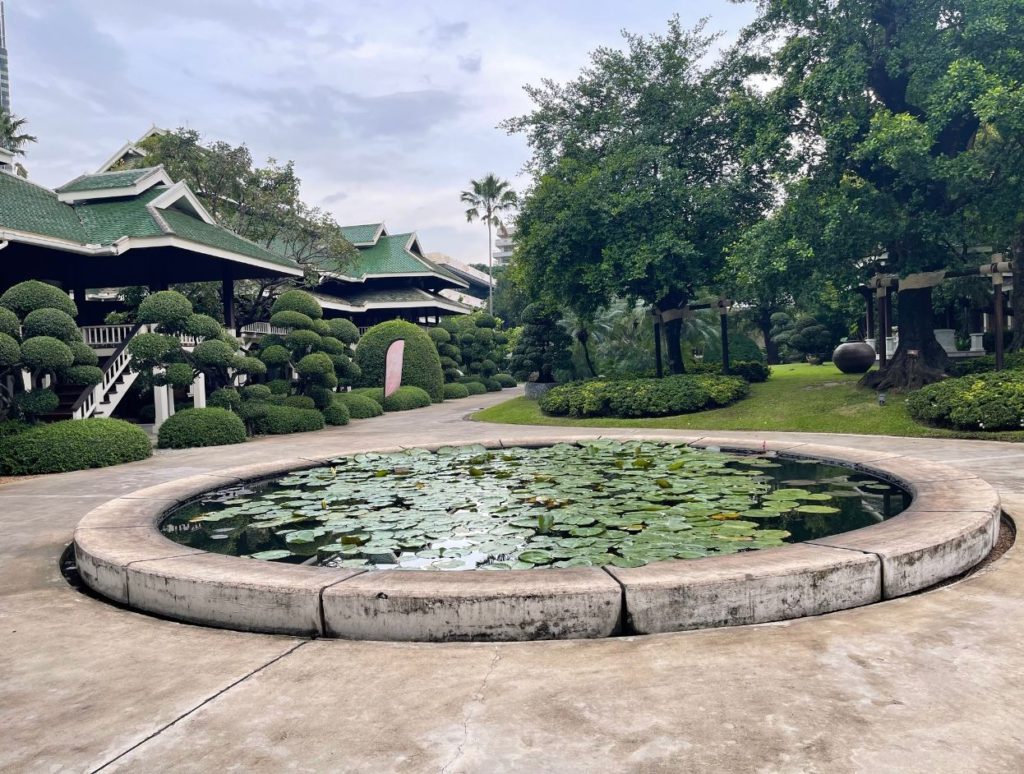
(359, 406)
(985, 364)
(987, 402)
(336, 413)
(634, 398)
(268, 419)
(421, 366)
(33, 294)
(491, 385)
(376, 394)
(73, 445)
(475, 387)
(201, 427)
(9, 427)
(404, 398)
(299, 401)
(505, 380)
(455, 391)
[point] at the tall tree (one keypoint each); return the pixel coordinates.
(646, 167)
(11, 135)
(488, 198)
(262, 204)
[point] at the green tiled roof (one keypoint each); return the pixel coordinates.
(107, 220)
(389, 256)
(196, 230)
(105, 180)
(360, 235)
(379, 297)
(25, 206)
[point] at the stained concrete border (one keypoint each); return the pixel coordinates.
(951, 525)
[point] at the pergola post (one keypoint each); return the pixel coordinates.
(882, 295)
(656, 315)
(160, 408)
(723, 318)
(227, 292)
(199, 391)
(996, 269)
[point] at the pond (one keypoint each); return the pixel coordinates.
(588, 504)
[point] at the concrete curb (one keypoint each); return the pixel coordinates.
(952, 524)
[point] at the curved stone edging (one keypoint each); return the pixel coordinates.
(951, 525)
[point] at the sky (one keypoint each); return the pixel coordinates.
(388, 109)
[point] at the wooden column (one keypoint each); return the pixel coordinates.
(882, 295)
(1000, 318)
(658, 369)
(723, 318)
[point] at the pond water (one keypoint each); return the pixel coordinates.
(569, 505)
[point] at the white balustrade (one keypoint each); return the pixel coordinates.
(263, 329)
(104, 336)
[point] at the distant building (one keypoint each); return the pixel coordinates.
(5, 77)
(504, 245)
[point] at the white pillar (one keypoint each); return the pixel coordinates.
(199, 391)
(160, 413)
(978, 342)
(170, 400)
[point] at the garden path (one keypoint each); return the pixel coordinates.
(933, 682)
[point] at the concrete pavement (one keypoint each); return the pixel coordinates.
(925, 683)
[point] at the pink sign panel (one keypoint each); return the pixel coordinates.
(393, 367)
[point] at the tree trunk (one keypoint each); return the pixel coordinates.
(1017, 293)
(919, 359)
(490, 268)
(771, 349)
(674, 346)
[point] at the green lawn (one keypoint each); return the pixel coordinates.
(798, 397)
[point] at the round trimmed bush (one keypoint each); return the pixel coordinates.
(359, 406)
(84, 354)
(332, 346)
(275, 355)
(279, 386)
(256, 392)
(37, 402)
(152, 348)
(33, 294)
(81, 376)
(299, 341)
(407, 398)
(505, 380)
(10, 352)
(752, 371)
(46, 353)
(226, 398)
(421, 367)
(203, 326)
(321, 396)
(491, 385)
(179, 375)
(294, 320)
(297, 301)
(455, 391)
(213, 354)
(201, 427)
(344, 330)
(51, 322)
(475, 387)
(321, 327)
(316, 367)
(249, 365)
(373, 393)
(10, 325)
(73, 445)
(299, 401)
(336, 413)
(439, 335)
(486, 321)
(167, 308)
(269, 419)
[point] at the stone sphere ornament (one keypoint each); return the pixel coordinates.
(854, 357)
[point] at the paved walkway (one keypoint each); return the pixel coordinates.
(929, 683)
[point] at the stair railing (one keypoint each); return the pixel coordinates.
(115, 365)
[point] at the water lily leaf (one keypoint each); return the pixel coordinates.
(272, 555)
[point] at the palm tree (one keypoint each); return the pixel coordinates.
(10, 126)
(487, 198)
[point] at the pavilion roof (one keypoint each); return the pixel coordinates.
(376, 299)
(390, 256)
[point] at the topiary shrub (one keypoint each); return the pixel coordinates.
(543, 347)
(475, 388)
(635, 398)
(279, 386)
(421, 366)
(166, 308)
(213, 354)
(10, 325)
(268, 419)
(203, 326)
(46, 353)
(491, 385)
(299, 401)
(31, 295)
(73, 445)
(149, 349)
(289, 319)
(212, 426)
(178, 375)
(10, 352)
(359, 406)
(455, 391)
(375, 394)
(332, 346)
(321, 397)
(297, 301)
(336, 413)
(505, 380)
(986, 402)
(227, 398)
(439, 336)
(275, 356)
(317, 369)
(751, 370)
(82, 376)
(406, 398)
(51, 322)
(256, 392)
(36, 403)
(84, 354)
(302, 341)
(985, 364)
(344, 330)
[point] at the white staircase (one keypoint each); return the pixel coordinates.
(101, 400)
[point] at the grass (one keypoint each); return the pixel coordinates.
(797, 398)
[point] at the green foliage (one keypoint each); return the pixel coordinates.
(643, 397)
(46, 354)
(228, 398)
(73, 445)
(753, 371)
(439, 336)
(167, 308)
(455, 391)
(543, 347)
(291, 319)
(333, 346)
(811, 339)
(302, 341)
(51, 322)
(741, 347)
(297, 301)
(267, 419)
(203, 326)
(421, 365)
(249, 365)
(491, 385)
(83, 353)
(28, 296)
(985, 364)
(317, 369)
(82, 375)
(213, 354)
(505, 380)
(179, 375)
(193, 427)
(475, 388)
(299, 401)
(10, 352)
(279, 386)
(36, 403)
(321, 327)
(336, 413)
(255, 392)
(275, 356)
(151, 349)
(359, 406)
(987, 402)
(9, 427)
(407, 397)
(10, 325)
(344, 330)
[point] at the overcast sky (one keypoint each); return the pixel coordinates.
(387, 108)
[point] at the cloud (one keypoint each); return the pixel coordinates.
(470, 63)
(443, 34)
(334, 198)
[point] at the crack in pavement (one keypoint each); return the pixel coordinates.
(477, 698)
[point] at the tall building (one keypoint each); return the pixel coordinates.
(504, 244)
(5, 78)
